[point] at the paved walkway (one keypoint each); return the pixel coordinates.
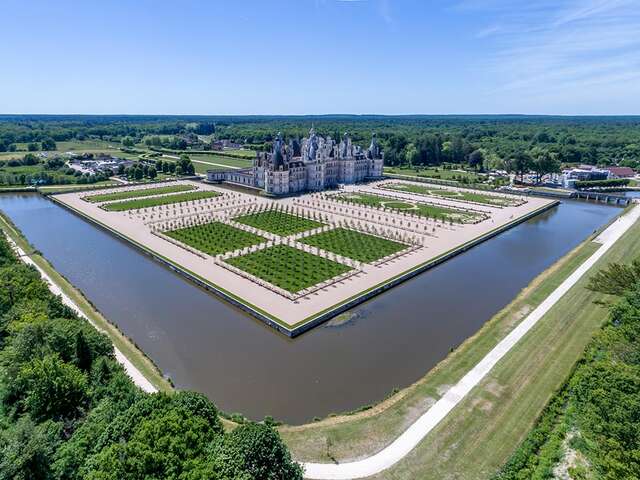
(135, 374)
(408, 440)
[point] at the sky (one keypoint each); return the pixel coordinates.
(218, 57)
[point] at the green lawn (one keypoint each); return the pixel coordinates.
(437, 172)
(288, 268)
(352, 244)
(278, 222)
(417, 208)
(147, 192)
(215, 237)
(157, 201)
(466, 195)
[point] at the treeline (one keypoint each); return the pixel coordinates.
(69, 411)
(614, 182)
(598, 409)
(407, 140)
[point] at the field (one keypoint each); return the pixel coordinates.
(422, 209)
(147, 192)
(205, 161)
(465, 195)
(439, 173)
(278, 222)
(355, 245)
(215, 238)
(157, 201)
(288, 268)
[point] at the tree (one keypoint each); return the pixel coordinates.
(30, 159)
(153, 173)
(543, 162)
(128, 142)
(52, 389)
(33, 147)
(138, 173)
(49, 144)
(27, 449)
(257, 450)
(476, 160)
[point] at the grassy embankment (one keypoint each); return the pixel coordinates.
(482, 432)
(120, 341)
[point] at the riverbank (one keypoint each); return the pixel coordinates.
(140, 368)
(478, 436)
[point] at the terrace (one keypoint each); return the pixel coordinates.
(297, 261)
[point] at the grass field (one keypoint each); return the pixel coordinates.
(157, 201)
(147, 192)
(278, 222)
(288, 268)
(422, 209)
(215, 237)
(466, 195)
(481, 433)
(352, 244)
(439, 173)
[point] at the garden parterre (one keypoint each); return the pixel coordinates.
(215, 238)
(278, 222)
(288, 268)
(158, 201)
(294, 261)
(138, 193)
(436, 212)
(464, 195)
(353, 244)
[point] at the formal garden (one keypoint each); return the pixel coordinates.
(138, 203)
(215, 238)
(287, 267)
(353, 244)
(139, 193)
(459, 195)
(436, 212)
(278, 222)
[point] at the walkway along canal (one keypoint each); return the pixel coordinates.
(204, 344)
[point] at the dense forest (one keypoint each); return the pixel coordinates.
(69, 411)
(596, 415)
(508, 142)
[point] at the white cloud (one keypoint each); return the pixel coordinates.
(541, 47)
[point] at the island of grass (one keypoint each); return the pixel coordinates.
(288, 268)
(355, 245)
(215, 237)
(468, 196)
(278, 222)
(147, 192)
(157, 201)
(423, 209)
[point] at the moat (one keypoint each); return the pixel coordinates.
(207, 345)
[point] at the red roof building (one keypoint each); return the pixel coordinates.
(620, 172)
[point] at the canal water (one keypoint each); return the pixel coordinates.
(204, 344)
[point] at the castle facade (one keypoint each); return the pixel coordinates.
(315, 164)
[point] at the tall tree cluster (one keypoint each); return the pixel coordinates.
(68, 411)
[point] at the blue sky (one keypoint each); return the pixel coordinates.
(320, 56)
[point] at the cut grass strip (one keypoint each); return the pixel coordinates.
(288, 268)
(146, 192)
(278, 222)
(352, 244)
(215, 238)
(157, 201)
